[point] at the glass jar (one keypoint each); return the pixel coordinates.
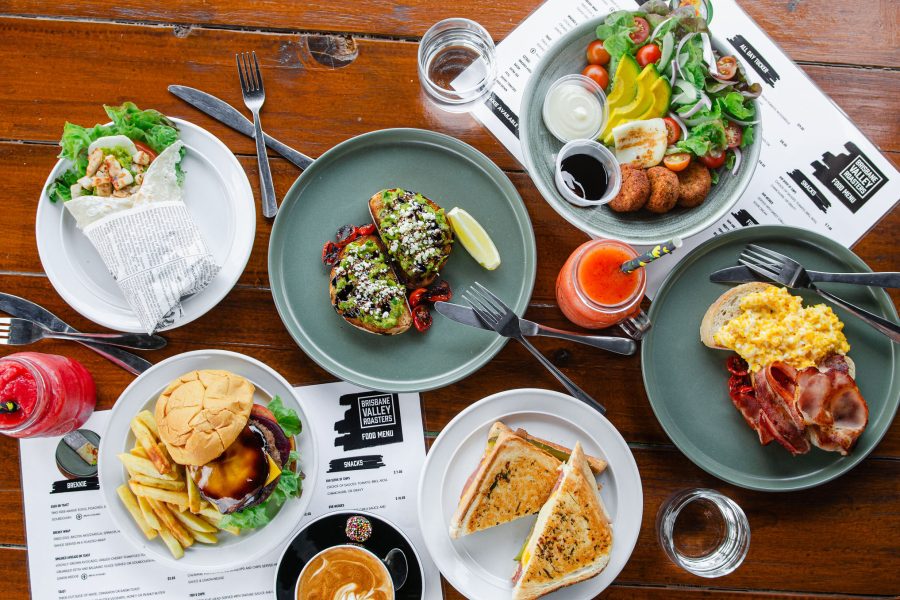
(593, 293)
(44, 395)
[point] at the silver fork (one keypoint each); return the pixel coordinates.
(797, 279)
(254, 95)
(794, 271)
(504, 321)
(19, 332)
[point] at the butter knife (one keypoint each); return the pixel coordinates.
(745, 275)
(227, 114)
(467, 316)
(26, 309)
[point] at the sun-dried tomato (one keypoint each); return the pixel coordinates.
(422, 318)
(330, 253)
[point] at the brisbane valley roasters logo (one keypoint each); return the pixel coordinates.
(371, 419)
(851, 176)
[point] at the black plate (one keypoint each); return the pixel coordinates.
(329, 531)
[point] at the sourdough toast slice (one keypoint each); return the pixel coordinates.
(415, 232)
(365, 290)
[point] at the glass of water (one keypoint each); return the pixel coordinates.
(457, 64)
(703, 532)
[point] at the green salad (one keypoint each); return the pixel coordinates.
(110, 160)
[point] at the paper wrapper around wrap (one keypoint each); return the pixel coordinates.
(150, 243)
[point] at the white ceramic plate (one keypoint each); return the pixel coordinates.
(231, 551)
(481, 565)
(220, 199)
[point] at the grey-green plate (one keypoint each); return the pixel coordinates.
(687, 382)
(335, 190)
(540, 149)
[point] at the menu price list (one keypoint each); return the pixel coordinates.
(371, 450)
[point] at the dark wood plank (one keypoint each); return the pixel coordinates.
(14, 574)
(806, 30)
(297, 95)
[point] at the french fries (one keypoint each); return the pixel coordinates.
(161, 497)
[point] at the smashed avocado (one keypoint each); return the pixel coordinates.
(365, 287)
(414, 232)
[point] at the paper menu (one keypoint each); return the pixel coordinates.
(816, 170)
(371, 449)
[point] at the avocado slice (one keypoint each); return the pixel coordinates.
(643, 101)
(624, 83)
(662, 95)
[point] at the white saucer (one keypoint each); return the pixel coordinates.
(481, 565)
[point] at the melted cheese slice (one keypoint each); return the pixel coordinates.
(274, 471)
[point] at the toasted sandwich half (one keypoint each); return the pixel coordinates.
(572, 537)
(513, 480)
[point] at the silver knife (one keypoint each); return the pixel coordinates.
(26, 309)
(467, 316)
(225, 113)
(744, 275)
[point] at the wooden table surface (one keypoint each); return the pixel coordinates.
(62, 60)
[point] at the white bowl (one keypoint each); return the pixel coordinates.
(231, 551)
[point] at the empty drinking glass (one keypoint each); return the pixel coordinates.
(703, 532)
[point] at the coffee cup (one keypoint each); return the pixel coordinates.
(348, 572)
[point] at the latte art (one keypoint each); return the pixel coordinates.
(345, 573)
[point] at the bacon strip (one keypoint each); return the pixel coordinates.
(832, 408)
(774, 388)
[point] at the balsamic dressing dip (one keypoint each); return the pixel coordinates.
(585, 176)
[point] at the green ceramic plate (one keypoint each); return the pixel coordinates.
(335, 190)
(540, 149)
(686, 381)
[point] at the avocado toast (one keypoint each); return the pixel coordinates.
(416, 234)
(365, 290)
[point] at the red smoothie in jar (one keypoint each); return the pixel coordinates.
(44, 395)
(591, 288)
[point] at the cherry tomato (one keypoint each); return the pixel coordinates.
(713, 160)
(259, 410)
(640, 35)
(422, 318)
(597, 54)
(145, 148)
(346, 234)
(415, 298)
(734, 135)
(598, 74)
(673, 130)
(737, 366)
(677, 162)
(330, 252)
(727, 66)
(367, 229)
(648, 54)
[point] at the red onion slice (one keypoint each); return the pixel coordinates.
(677, 119)
(737, 160)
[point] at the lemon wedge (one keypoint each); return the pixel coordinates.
(474, 238)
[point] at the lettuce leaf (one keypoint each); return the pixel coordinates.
(615, 31)
(287, 418)
(734, 104)
(61, 188)
(747, 138)
(693, 69)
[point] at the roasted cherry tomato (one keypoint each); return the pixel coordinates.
(259, 410)
(673, 130)
(733, 134)
(145, 148)
(417, 297)
(439, 292)
(648, 55)
(598, 74)
(346, 234)
(597, 54)
(727, 67)
(737, 366)
(713, 160)
(367, 229)
(422, 318)
(640, 35)
(677, 162)
(330, 252)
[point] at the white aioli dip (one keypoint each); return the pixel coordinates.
(571, 112)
